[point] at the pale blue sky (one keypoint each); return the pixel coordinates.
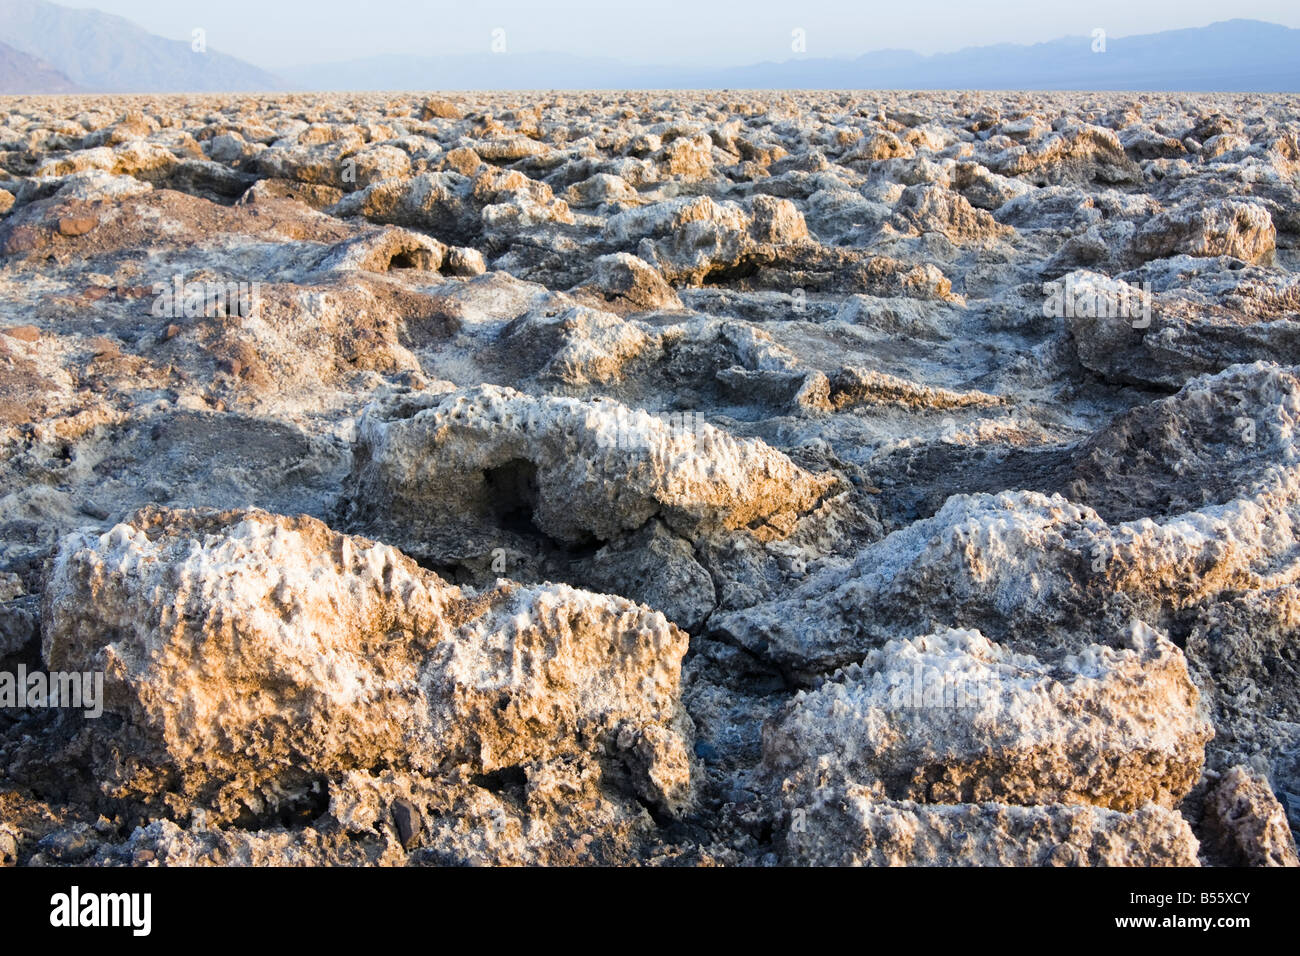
(280, 33)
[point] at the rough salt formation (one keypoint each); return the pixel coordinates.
(580, 470)
(644, 478)
(954, 718)
(300, 654)
(1248, 823)
(857, 828)
(1228, 440)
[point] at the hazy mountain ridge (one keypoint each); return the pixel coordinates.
(107, 53)
(1233, 55)
(22, 73)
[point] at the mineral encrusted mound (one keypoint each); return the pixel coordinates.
(1178, 331)
(1248, 822)
(954, 718)
(1243, 230)
(854, 827)
(251, 657)
(1202, 489)
(577, 470)
(1220, 438)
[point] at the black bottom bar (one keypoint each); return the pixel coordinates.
(438, 906)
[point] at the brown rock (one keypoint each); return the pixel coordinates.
(104, 347)
(463, 160)
(76, 225)
(438, 107)
(23, 239)
(23, 333)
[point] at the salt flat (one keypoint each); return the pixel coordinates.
(652, 478)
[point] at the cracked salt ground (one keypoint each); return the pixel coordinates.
(652, 479)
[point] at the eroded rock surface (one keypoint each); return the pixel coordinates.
(644, 478)
(954, 718)
(303, 655)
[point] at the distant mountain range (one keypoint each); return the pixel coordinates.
(110, 54)
(1234, 55)
(21, 73)
(49, 48)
